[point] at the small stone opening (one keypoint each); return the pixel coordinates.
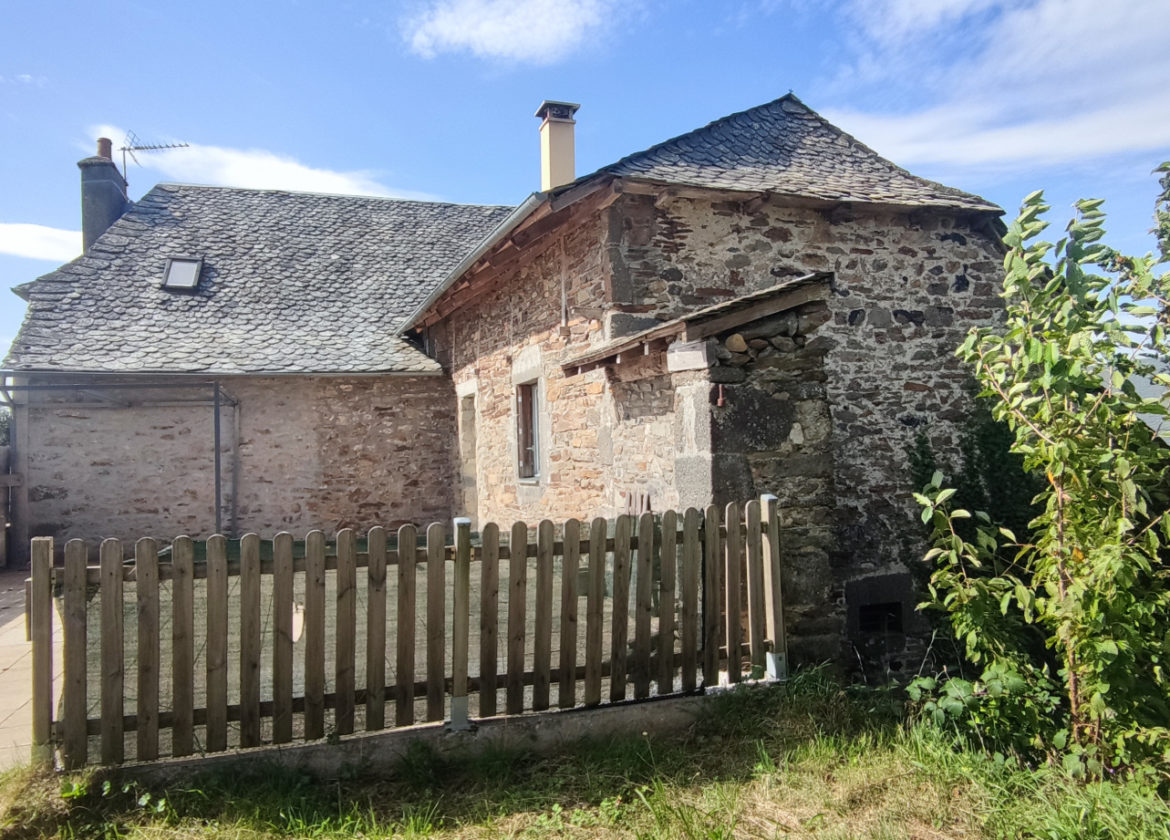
(873, 619)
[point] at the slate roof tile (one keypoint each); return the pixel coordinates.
(291, 283)
(785, 147)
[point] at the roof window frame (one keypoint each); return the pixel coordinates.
(168, 286)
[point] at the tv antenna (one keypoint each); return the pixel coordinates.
(132, 144)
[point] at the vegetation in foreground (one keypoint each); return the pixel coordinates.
(810, 759)
(1065, 621)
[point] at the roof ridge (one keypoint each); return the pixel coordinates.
(176, 186)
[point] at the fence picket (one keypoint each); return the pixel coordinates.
(250, 640)
(712, 592)
(489, 617)
(542, 630)
(183, 646)
(460, 623)
(755, 587)
(571, 561)
(691, 565)
(773, 590)
(732, 590)
(111, 652)
(75, 744)
(620, 629)
(217, 633)
(595, 612)
(643, 605)
(376, 629)
(666, 602)
(345, 650)
(282, 637)
(436, 620)
(41, 627)
(404, 638)
(314, 635)
(517, 632)
(146, 587)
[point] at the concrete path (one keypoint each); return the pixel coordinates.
(16, 671)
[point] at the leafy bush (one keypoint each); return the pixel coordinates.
(1092, 574)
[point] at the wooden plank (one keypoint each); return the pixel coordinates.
(345, 649)
(773, 590)
(250, 640)
(755, 586)
(404, 639)
(41, 620)
(542, 632)
(620, 629)
(595, 612)
(146, 573)
(517, 632)
(571, 562)
(733, 581)
(643, 605)
(436, 620)
(692, 562)
(489, 617)
(75, 704)
(376, 630)
(712, 595)
(282, 637)
(112, 652)
(217, 632)
(314, 635)
(668, 569)
(183, 646)
(460, 623)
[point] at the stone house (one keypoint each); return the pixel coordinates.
(761, 305)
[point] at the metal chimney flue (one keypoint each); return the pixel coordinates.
(557, 165)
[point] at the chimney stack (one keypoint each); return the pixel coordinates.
(103, 192)
(557, 167)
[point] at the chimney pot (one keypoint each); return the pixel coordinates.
(557, 165)
(105, 148)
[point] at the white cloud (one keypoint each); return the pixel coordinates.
(39, 242)
(250, 168)
(1012, 84)
(537, 31)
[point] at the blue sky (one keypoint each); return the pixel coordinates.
(435, 98)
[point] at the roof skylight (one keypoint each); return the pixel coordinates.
(182, 273)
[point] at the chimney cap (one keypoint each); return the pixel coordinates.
(105, 147)
(551, 109)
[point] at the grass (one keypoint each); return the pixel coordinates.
(807, 760)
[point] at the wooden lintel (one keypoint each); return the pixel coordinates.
(762, 309)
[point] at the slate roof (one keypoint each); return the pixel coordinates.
(291, 283)
(785, 147)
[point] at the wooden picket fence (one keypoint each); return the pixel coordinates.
(673, 603)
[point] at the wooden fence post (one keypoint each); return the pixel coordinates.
(461, 624)
(773, 591)
(41, 618)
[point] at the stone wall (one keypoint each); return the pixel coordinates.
(604, 439)
(907, 288)
(297, 453)
(773, 434)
